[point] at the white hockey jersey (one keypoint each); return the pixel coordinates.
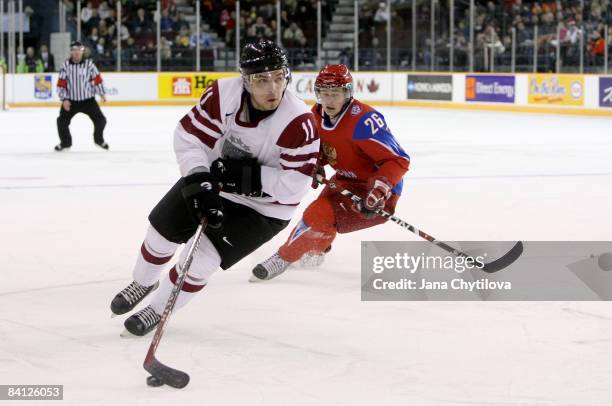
(285, 143)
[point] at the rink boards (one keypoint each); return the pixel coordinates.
(543, 93)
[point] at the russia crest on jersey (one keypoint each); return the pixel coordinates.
(355, 110)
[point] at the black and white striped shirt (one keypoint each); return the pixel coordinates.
(79, 81)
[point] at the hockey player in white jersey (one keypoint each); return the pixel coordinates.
(246, 154)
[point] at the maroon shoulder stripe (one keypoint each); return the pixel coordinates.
(196, 132)
(204, 121)
(212, 104)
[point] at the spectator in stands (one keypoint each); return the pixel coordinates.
(22, 66)
(492, 41)
(259, 29)
(224, 17)
(596, 47)
(205, 40)
(128, 51)
(284, 19)
(93, 37)
(230, 28)
(112, 18)
(149, 50)
(346, 57)
(366, 15)
(181, 22)
(524, 36)
(271, 33)
(104, 10)
(103, 29)
(33, 62)
(141, 24)
(47, 59)
(293, 37)
(124, 33)
(382, 14)
(87, 12)
(304, 12)
(101, 48)
(267, 10)
(166, 23)
(93, 21)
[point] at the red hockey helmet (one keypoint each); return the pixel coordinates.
(334, 76)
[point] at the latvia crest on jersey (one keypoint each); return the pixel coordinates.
(235, 148)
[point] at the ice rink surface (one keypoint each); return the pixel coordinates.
(72, 224)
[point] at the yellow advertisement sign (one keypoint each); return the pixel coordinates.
(566, 90)
(186, 85)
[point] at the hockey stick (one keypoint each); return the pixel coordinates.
(163, 373)
(490, 267)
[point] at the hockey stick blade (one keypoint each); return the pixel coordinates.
(505, 260)
(169, 376)
(490, 267)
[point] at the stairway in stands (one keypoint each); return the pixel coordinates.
(188, 9)
(341, 31)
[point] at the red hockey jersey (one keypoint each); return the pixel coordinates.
(360, 145)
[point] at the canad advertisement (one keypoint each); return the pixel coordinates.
(186, 85)
(366, 86)
(430, 87)
(565, 90)
(605, 92)
(488, 88)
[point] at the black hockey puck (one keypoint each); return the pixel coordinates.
(153, 381)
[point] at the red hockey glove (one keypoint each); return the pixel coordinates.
(379, 191)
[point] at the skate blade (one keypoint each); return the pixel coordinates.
(126, 334)
(255, 279)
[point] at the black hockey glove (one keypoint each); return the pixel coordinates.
(201, 193)
(240, 176)
(318, 176)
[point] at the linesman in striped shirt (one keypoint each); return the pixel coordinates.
(79, 81)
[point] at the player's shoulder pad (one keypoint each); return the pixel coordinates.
(300, 131)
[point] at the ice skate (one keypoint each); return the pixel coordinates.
(269, 269)
(129, 297)
(141, 323)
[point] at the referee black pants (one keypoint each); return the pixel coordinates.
(89, 107)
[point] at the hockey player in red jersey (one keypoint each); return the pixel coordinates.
(246, 154)
(356, 142)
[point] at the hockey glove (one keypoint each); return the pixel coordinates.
(240, 176)
(379, 191)
(319, 173)
(201, 193)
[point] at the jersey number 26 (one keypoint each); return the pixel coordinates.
(375, 122)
